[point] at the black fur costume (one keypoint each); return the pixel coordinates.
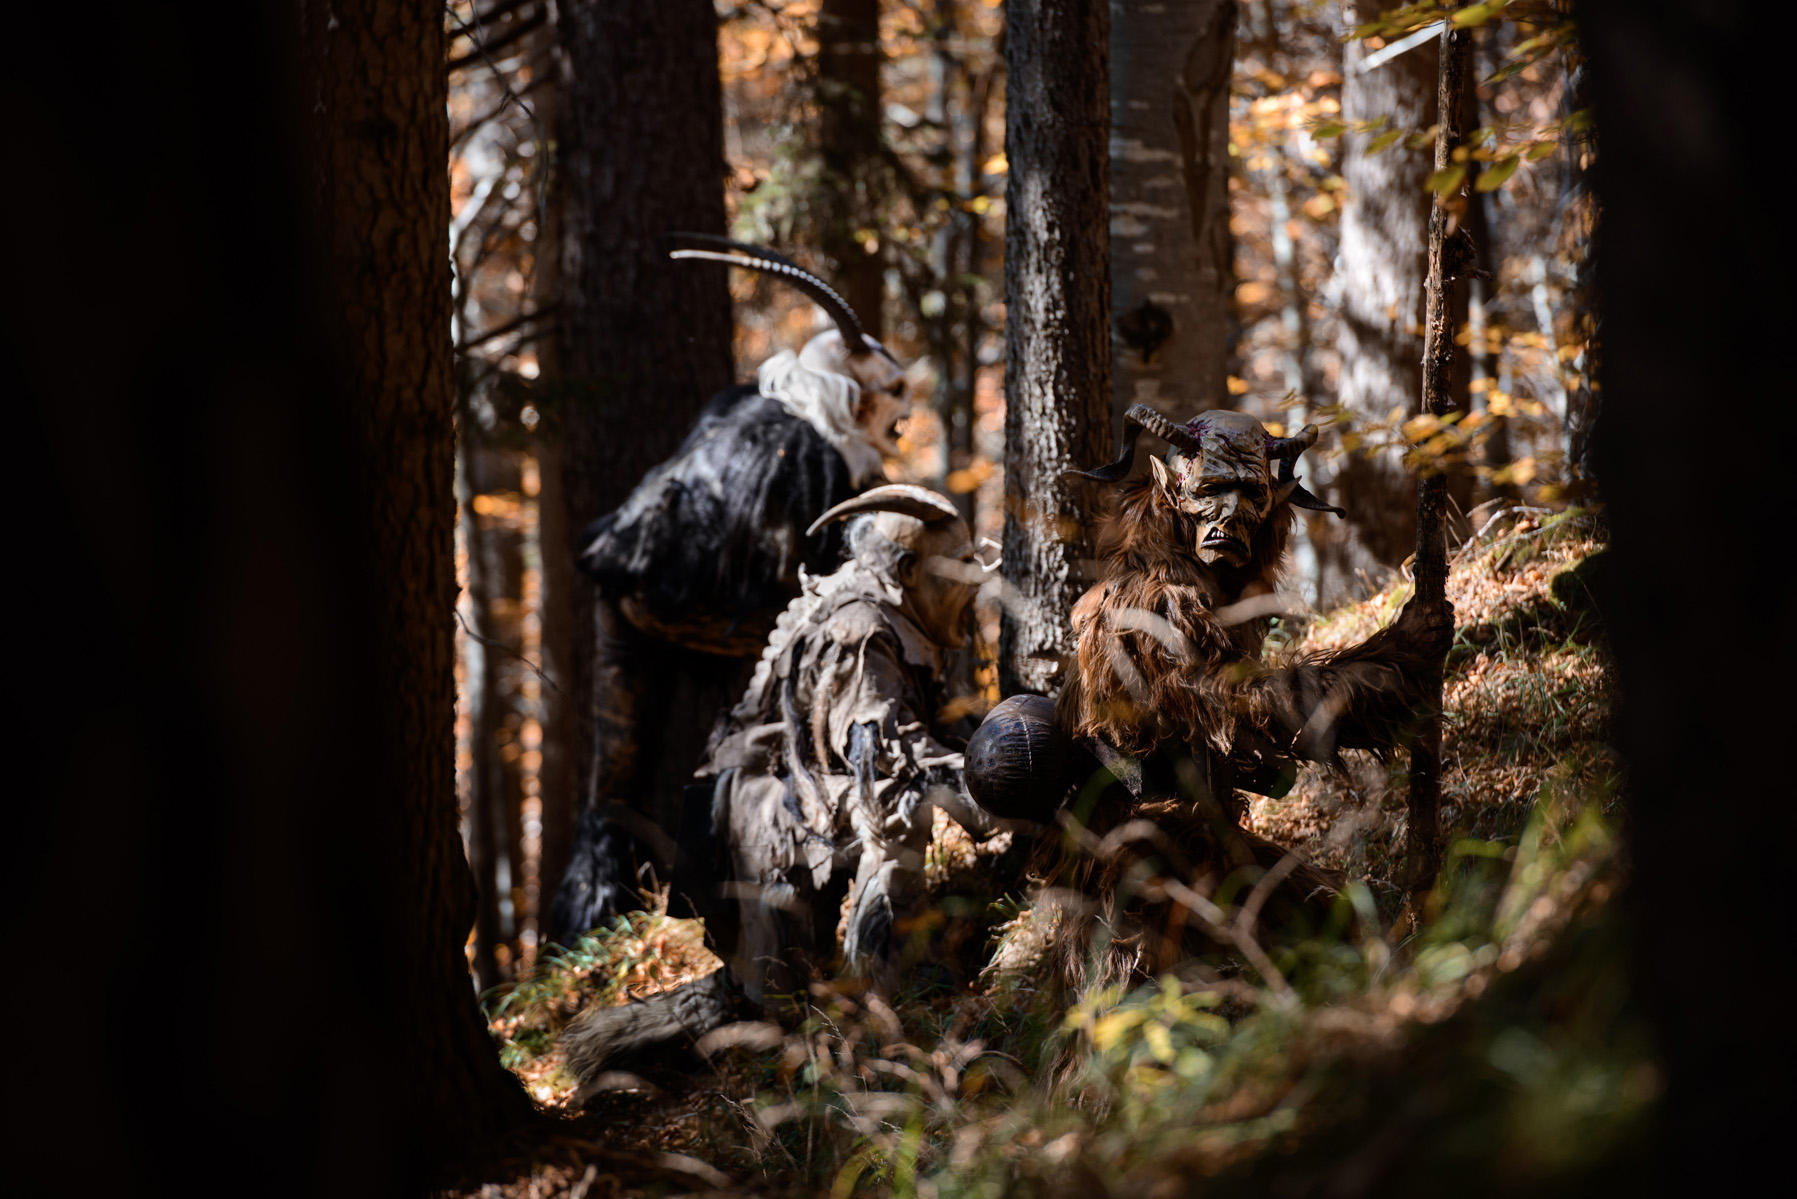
(692, 569)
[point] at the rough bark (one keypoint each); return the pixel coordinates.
(1696, 302)
(642, 342)
(848, 84)
(1172, 264)
(1057, 331)
(1422, 837)
(1384, 256)
(380, 138)
(243, 744)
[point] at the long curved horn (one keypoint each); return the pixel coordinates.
(1139, 417)
(903, 498)
(760, 258)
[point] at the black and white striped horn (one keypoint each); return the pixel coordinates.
(711, 248)
(1139, 417)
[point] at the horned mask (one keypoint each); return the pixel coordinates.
(936, 568)
(1221, 472)
(844, 382)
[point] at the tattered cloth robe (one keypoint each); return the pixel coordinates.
(820, 784)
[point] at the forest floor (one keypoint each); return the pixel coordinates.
(1493, 1043)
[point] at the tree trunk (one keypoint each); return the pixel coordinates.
(482, 691)
(559, 775)
(1057, 332)
(558, 706)
(642, 341)
(243, 734)
(848, 82)
(1384, 256)
(380, 139)
(1698, 303)
(1172, 265)
(496, 782)
(1422, 837)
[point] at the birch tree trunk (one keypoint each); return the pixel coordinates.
(1057, 332)
(1384, 257)
(1172, 257)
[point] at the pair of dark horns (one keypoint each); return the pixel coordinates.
(709, 247)
(1187, 441)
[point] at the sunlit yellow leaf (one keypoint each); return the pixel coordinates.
(998, 164)
(1540, 150)
(1474, 15)
(1492, 179)
(1160, 1042)
(1447, 179)
(1236, 386)
(1112, 1027)
(1384, 141)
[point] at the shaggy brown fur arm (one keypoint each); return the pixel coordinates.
(1365, 697)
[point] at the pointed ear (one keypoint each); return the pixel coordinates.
(1162, 475)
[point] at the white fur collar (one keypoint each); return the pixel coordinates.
(825, 401)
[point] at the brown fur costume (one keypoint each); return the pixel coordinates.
(1170, 689)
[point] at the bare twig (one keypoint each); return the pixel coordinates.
(506, 649)
(511, 326)
(483, 48)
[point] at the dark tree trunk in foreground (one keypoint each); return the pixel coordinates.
(244, 731)
(848, 84)
(1057, 331)
(643, 342)
(1172, 256)
(1422, 836)
(380, 139)
(1700, 605)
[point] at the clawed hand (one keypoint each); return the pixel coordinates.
(1429, 625)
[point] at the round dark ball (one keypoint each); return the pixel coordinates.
(1018, 761)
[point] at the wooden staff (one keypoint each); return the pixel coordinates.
(1422, 849)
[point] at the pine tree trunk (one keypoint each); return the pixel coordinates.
(243, 729)
(380, 140)
(1057, 332)
(1172, 256)
(642, 341)
(1698, 604)
(848, 81)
